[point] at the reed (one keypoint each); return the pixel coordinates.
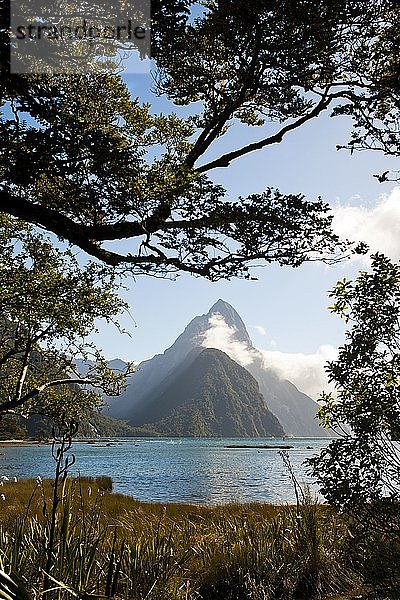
(106, 545)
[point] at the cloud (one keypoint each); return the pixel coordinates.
(306, 371)
(221, 336)
(379, 227)
(260, 329)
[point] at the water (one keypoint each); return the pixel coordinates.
(192, 470)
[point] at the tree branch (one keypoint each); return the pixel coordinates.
(214, 128)
(210, 133)
(16, 402)
(24, 368)
(226, 159)
(84, 236)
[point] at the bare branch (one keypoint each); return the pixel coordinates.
(24, 367)
(226, 159)
(16, 402)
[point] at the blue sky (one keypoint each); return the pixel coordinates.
(289, 304)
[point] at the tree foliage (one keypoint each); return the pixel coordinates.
(83, 158)
(374, 103)
(363, 465)
(49, 306)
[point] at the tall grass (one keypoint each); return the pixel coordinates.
(110, 546)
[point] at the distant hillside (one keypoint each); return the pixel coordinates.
(95, 425)
(212, 397)
(295, 410)
(104, 426)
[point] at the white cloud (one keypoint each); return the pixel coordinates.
(306, 371)
(221, 336)
(260, 329)
(379, 227)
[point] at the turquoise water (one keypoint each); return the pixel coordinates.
(178, 470)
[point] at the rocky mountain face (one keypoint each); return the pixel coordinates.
(151, 373)
(149, 385)
(212, 396)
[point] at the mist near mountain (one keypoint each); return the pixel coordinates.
(211, 396)
(295, 410)
(305, 371)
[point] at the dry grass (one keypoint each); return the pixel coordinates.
(113, 546)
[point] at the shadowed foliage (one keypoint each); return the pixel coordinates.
(87, 160)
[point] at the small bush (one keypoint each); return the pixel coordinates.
(104, 483)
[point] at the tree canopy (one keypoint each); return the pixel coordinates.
(49, 306)
(87, 161)
(362, 466)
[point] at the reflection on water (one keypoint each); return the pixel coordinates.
(172, 470)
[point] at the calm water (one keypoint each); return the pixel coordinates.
(171, 470)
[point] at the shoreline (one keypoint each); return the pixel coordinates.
(8, 443)
(109, 441)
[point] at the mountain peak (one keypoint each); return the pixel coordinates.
(231, 318)
(225, 330)
(221, 306)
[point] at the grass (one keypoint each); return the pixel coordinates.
(111, 546)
